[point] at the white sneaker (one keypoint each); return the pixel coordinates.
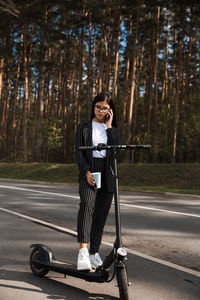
(83, 262)
(95, 260)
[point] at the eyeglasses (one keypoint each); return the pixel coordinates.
(103, 109)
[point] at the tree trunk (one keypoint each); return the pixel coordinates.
(119, 18)
(109, 51)
(15, 102)
(26, 95)
(93, 61)
(2, 63)
(81, 59)
(186, 96)
(101, 53)
(90, 77)
(178, 80)
(40, 107)
(165, 81)
(2, 71)
(5, 108)
(125, 91)
(131, 99)
(150, 84)
(156, 149)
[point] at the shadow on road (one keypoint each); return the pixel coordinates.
(54, 289)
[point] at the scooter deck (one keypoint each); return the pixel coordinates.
(71, 270)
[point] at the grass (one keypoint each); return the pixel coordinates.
(40, 172)
(175, 178)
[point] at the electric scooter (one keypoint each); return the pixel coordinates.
(42, 259)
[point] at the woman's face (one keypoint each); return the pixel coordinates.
(101, 108)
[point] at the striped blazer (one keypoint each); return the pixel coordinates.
(84, 158)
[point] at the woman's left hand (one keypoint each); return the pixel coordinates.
(108, 122)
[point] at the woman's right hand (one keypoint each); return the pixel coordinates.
(90, 178)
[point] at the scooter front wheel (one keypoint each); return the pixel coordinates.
(122, 281)
(37, 268)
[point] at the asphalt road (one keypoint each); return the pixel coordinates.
(160, 232)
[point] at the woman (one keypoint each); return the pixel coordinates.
(95, 203)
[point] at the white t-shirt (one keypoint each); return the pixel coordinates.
(99, 136)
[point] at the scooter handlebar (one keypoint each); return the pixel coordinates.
(100, 147)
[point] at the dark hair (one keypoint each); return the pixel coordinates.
(104, 96)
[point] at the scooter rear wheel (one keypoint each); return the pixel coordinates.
(122, 281)
(37, 268)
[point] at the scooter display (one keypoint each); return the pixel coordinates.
(42, 259)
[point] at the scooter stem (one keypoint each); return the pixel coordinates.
(118, 242)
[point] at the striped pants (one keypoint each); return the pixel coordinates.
(94, 208)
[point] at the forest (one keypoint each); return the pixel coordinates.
(55, 56)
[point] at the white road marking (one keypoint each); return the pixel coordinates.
(161, 210)
(40, 222)
(160, 261)
(40, 192)
(121, 204)
(136, 253)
